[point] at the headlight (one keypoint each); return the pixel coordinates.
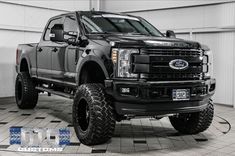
(122, 58)
(209, 57)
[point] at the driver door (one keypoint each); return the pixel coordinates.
(64, 55)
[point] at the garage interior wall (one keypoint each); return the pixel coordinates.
(210, 22)
(22, 22)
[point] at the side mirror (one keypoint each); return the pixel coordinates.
(71, 38)
(76, 40)
(72, 41)
(57, 33)
(72, 33)
(170, 34)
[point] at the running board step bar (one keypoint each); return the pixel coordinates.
(55, 92)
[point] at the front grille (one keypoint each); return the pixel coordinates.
(153, 64)
(172, 52)
(172, 76)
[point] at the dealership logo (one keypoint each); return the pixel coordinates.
(178, 64)
(40, 139)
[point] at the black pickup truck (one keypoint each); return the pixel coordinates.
(115, 67)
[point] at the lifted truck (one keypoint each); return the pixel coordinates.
(117, 66)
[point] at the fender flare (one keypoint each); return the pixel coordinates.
(87, 59)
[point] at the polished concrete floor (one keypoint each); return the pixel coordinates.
(146, 136)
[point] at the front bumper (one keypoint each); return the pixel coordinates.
(155, 97)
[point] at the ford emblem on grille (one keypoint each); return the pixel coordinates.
(178, 64)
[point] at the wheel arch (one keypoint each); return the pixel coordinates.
(91, 65)
(25, 65)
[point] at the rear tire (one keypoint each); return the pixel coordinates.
(25, 93)
(193, 123)
(93, 115)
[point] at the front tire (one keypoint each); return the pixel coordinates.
(25, 93)
(93, 115)
(193, 123)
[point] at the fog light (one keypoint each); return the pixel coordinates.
(125, 90)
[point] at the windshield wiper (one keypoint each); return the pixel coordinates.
(104, 32)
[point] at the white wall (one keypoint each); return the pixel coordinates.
(66, 5)
(213, 25)
(136, 5)
(222, 44)
(23, 22)
(184, 19)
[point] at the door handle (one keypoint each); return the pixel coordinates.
(54, 50)
(39, 49)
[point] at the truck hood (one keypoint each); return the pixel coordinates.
(149, 41)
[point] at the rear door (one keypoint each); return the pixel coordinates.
(44, 50)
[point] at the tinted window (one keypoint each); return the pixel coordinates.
(51, 24)
(70, 24)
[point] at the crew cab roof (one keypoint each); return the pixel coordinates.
(93, 12)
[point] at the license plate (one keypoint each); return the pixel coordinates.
(180, 94)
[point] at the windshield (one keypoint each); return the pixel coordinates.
(112, 23)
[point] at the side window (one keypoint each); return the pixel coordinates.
(51, 24)
(70, 24)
